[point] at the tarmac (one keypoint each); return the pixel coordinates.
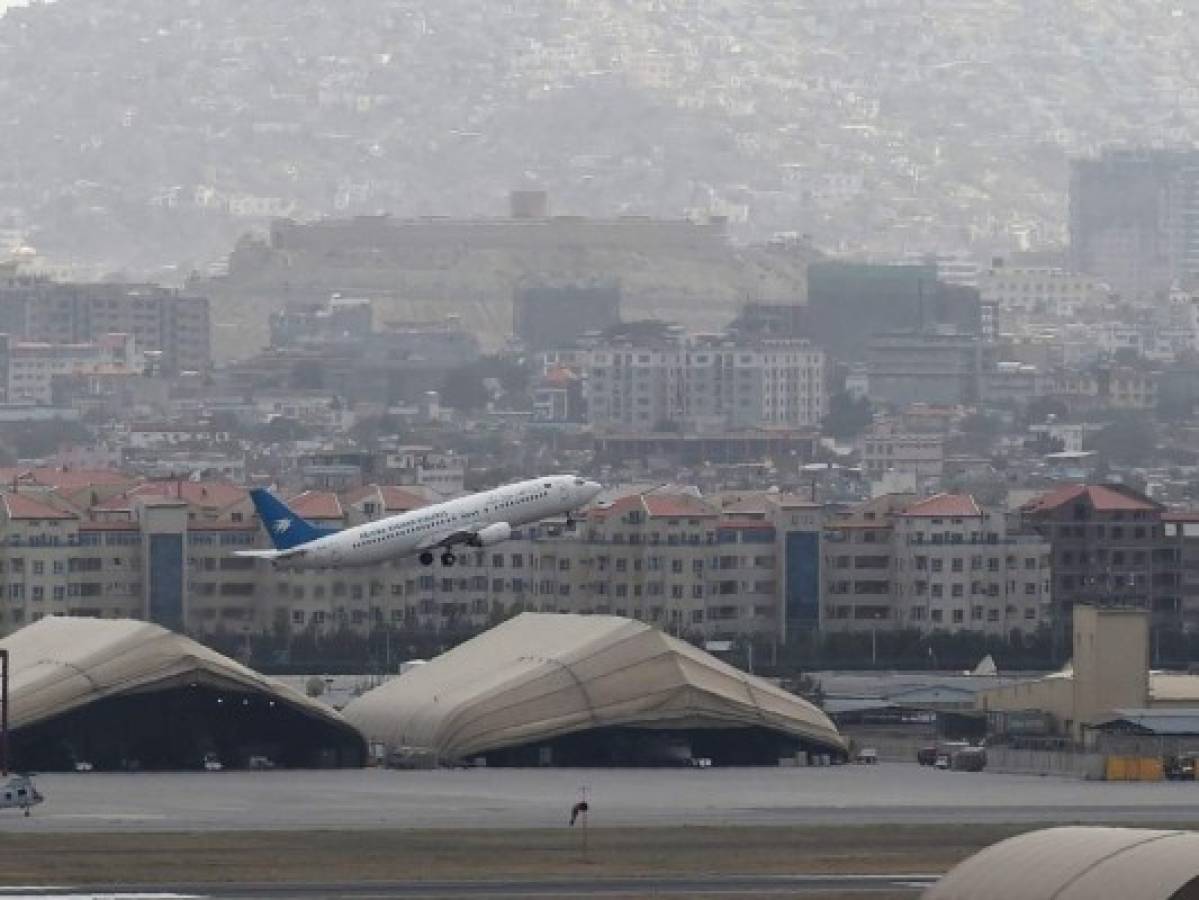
(537, 798)
(708, 886)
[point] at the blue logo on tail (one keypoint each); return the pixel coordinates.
(287, 530)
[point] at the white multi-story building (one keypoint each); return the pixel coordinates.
(938, 564)
(28, 368)
(753, 384)
(705, 383)
(637, 385)
(885, 448)
(444, 474)
(1038, 293)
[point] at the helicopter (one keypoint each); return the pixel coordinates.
(19, 793)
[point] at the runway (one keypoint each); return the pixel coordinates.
(711, 886)
(530, 798)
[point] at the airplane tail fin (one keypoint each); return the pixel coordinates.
(287, 530)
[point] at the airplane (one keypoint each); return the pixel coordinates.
(477, 520)
(19, 793)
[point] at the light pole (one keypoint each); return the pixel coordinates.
(4, 712)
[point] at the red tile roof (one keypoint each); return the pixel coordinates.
(755, 504)
(317, 505)
(22, 506)
(222, 526)
(398, 499)
(392, 498)
(1102, 497)
(676, 506)
(62, 479)
(948, 506)
(206, 494)
(617, 507)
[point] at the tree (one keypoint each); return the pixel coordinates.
(464, 388)
(1128, 439)
(1039, 410)
(32, 440)
(847, 416)
(978, 433)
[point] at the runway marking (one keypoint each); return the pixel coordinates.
(55, 894)
(110, 816)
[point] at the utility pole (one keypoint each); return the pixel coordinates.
(4, 712)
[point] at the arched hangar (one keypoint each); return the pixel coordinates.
(1079, 863)
(553, 689)
(122, 694)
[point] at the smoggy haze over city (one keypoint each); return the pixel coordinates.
(146, 136)
(747, 386)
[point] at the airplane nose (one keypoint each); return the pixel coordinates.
(591, 488)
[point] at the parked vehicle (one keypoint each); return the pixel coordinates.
(926, 756)
(1179, 768)
(969, 759)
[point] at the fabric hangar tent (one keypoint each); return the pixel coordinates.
(1079, 863)
(587, 690)
(124, 694)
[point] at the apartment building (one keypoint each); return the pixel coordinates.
(753, 383)
(660, 379)
(164, 551)
(957, 568)
(1132, 218)
(940, 367)
(1181, 530)
(635, 381)
(172, 328)
(1026, 294)
(888, 448)
(857, 572)
(28, 369)
(938, 564)
(1109, 545)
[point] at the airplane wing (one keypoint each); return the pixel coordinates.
(448, 538)
(272, 555)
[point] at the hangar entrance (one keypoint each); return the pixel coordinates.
(649, 747)
(176, 728)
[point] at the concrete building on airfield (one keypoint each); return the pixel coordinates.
(123, 694)
(575, 690)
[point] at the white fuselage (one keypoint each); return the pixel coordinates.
(446, 524)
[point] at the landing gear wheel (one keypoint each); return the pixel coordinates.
(426, 558)
(448, 558)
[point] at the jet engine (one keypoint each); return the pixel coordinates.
(492, 534)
